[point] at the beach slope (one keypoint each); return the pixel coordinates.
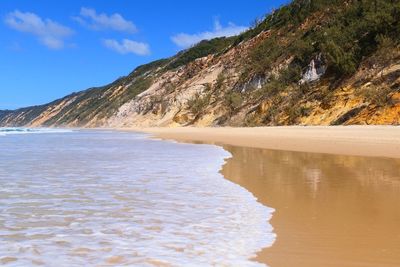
(379, 141)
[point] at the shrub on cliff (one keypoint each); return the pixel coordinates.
(378, 95)
(233, 100)
(198, 103)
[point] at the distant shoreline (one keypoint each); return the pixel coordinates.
(374, 141)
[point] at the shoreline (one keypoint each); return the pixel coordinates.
(371, 141)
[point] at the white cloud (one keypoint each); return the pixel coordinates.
(127, 46)
(49, 33)
(186, 40)
(91, 19)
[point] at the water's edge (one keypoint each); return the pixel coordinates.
(262, 212)
(226, 161)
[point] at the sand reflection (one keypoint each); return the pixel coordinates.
(330, 210)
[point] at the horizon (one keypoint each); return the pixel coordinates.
(48, 54)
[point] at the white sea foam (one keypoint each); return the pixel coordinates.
(100, 198)
(20, 130)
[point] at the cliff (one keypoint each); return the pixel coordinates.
(312, 62)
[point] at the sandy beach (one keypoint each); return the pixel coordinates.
(338, 206)
(379, 141)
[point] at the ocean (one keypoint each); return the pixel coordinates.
(109, 198)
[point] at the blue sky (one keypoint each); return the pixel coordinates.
(49, 49)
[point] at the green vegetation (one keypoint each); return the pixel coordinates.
(219, 84)
(233, 100)
(136, 87)
(270, 89)
(275, 85)
(202, 49)
(141, 70)
(378, 95)
(387, 52)
(293, 108)
(349, 32)
(199, 102)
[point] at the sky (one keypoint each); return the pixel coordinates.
(49, 49)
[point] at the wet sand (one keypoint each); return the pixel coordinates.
(331, 210)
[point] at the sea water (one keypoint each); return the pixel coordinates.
(106, 198)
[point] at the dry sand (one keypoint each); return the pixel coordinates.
(331, 210)
(380, 141)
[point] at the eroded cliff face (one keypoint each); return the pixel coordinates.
(191, 95)
(242, 83)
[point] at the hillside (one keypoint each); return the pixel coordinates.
(312, 62)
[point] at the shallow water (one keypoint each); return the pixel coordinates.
(331, 210)
(94, 198)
